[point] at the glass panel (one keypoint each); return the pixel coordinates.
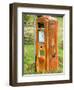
(41, 36)
(42, 52)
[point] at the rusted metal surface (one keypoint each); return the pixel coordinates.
(49, 61)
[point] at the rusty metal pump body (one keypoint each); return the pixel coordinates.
(46, 44)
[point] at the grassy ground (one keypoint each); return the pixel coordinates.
(29, 59)
(60, 43)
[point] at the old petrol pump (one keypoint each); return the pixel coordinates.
(46, 44)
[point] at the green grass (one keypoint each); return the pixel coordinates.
(29, 59)
(29, 54)
(60, 53)
(60, 44)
